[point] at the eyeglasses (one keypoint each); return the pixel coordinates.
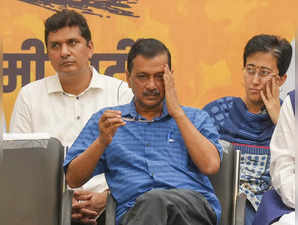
(132, 119)
(263, 73)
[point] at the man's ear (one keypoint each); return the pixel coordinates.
(91, 47)
(128, 78)
(282, 80)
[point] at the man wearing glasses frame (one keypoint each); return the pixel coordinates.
(248, 122)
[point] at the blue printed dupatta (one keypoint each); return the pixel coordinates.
(251, 134)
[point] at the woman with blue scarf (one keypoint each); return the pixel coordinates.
(248, 122)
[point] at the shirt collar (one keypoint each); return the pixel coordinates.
(130, 111)
(54, 85)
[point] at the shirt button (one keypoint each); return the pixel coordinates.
(78, 117)
(77, 97)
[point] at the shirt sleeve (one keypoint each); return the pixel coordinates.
(87, 136)
(206, 126)
(125, 94)
(282, 146)
(21, 121)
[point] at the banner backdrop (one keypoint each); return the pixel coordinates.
(206, 39)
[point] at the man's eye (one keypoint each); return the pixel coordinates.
(73, 42)
(159, 77)
(54, 45)
(141, 76)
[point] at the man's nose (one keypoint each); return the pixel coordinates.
(64, 50)
(151, 83)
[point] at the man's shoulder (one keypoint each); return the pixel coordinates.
(108, 80)
(105, 77)
(38, 85)
(193, 112)
(189, 109)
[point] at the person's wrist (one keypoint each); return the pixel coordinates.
(101, 141)
(178, 113)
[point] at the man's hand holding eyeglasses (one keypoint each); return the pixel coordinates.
(108, 125)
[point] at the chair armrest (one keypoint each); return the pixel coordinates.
(111, 210)
(240, 209)
(66, 208)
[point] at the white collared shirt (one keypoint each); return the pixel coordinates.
(42, 106)
(282, 147)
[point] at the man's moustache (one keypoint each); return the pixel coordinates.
(151, 93)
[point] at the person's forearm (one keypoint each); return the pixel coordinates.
(287, 190)
(82, 167)
(282, 171)
(202, 152)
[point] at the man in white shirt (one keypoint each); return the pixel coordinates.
(282, 167)
(278, 204)
(62, 104)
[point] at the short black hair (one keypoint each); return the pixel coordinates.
(279, 47)
(148, 48)
(67, 18)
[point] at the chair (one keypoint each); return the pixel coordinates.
(226, 186)
(32, 183)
